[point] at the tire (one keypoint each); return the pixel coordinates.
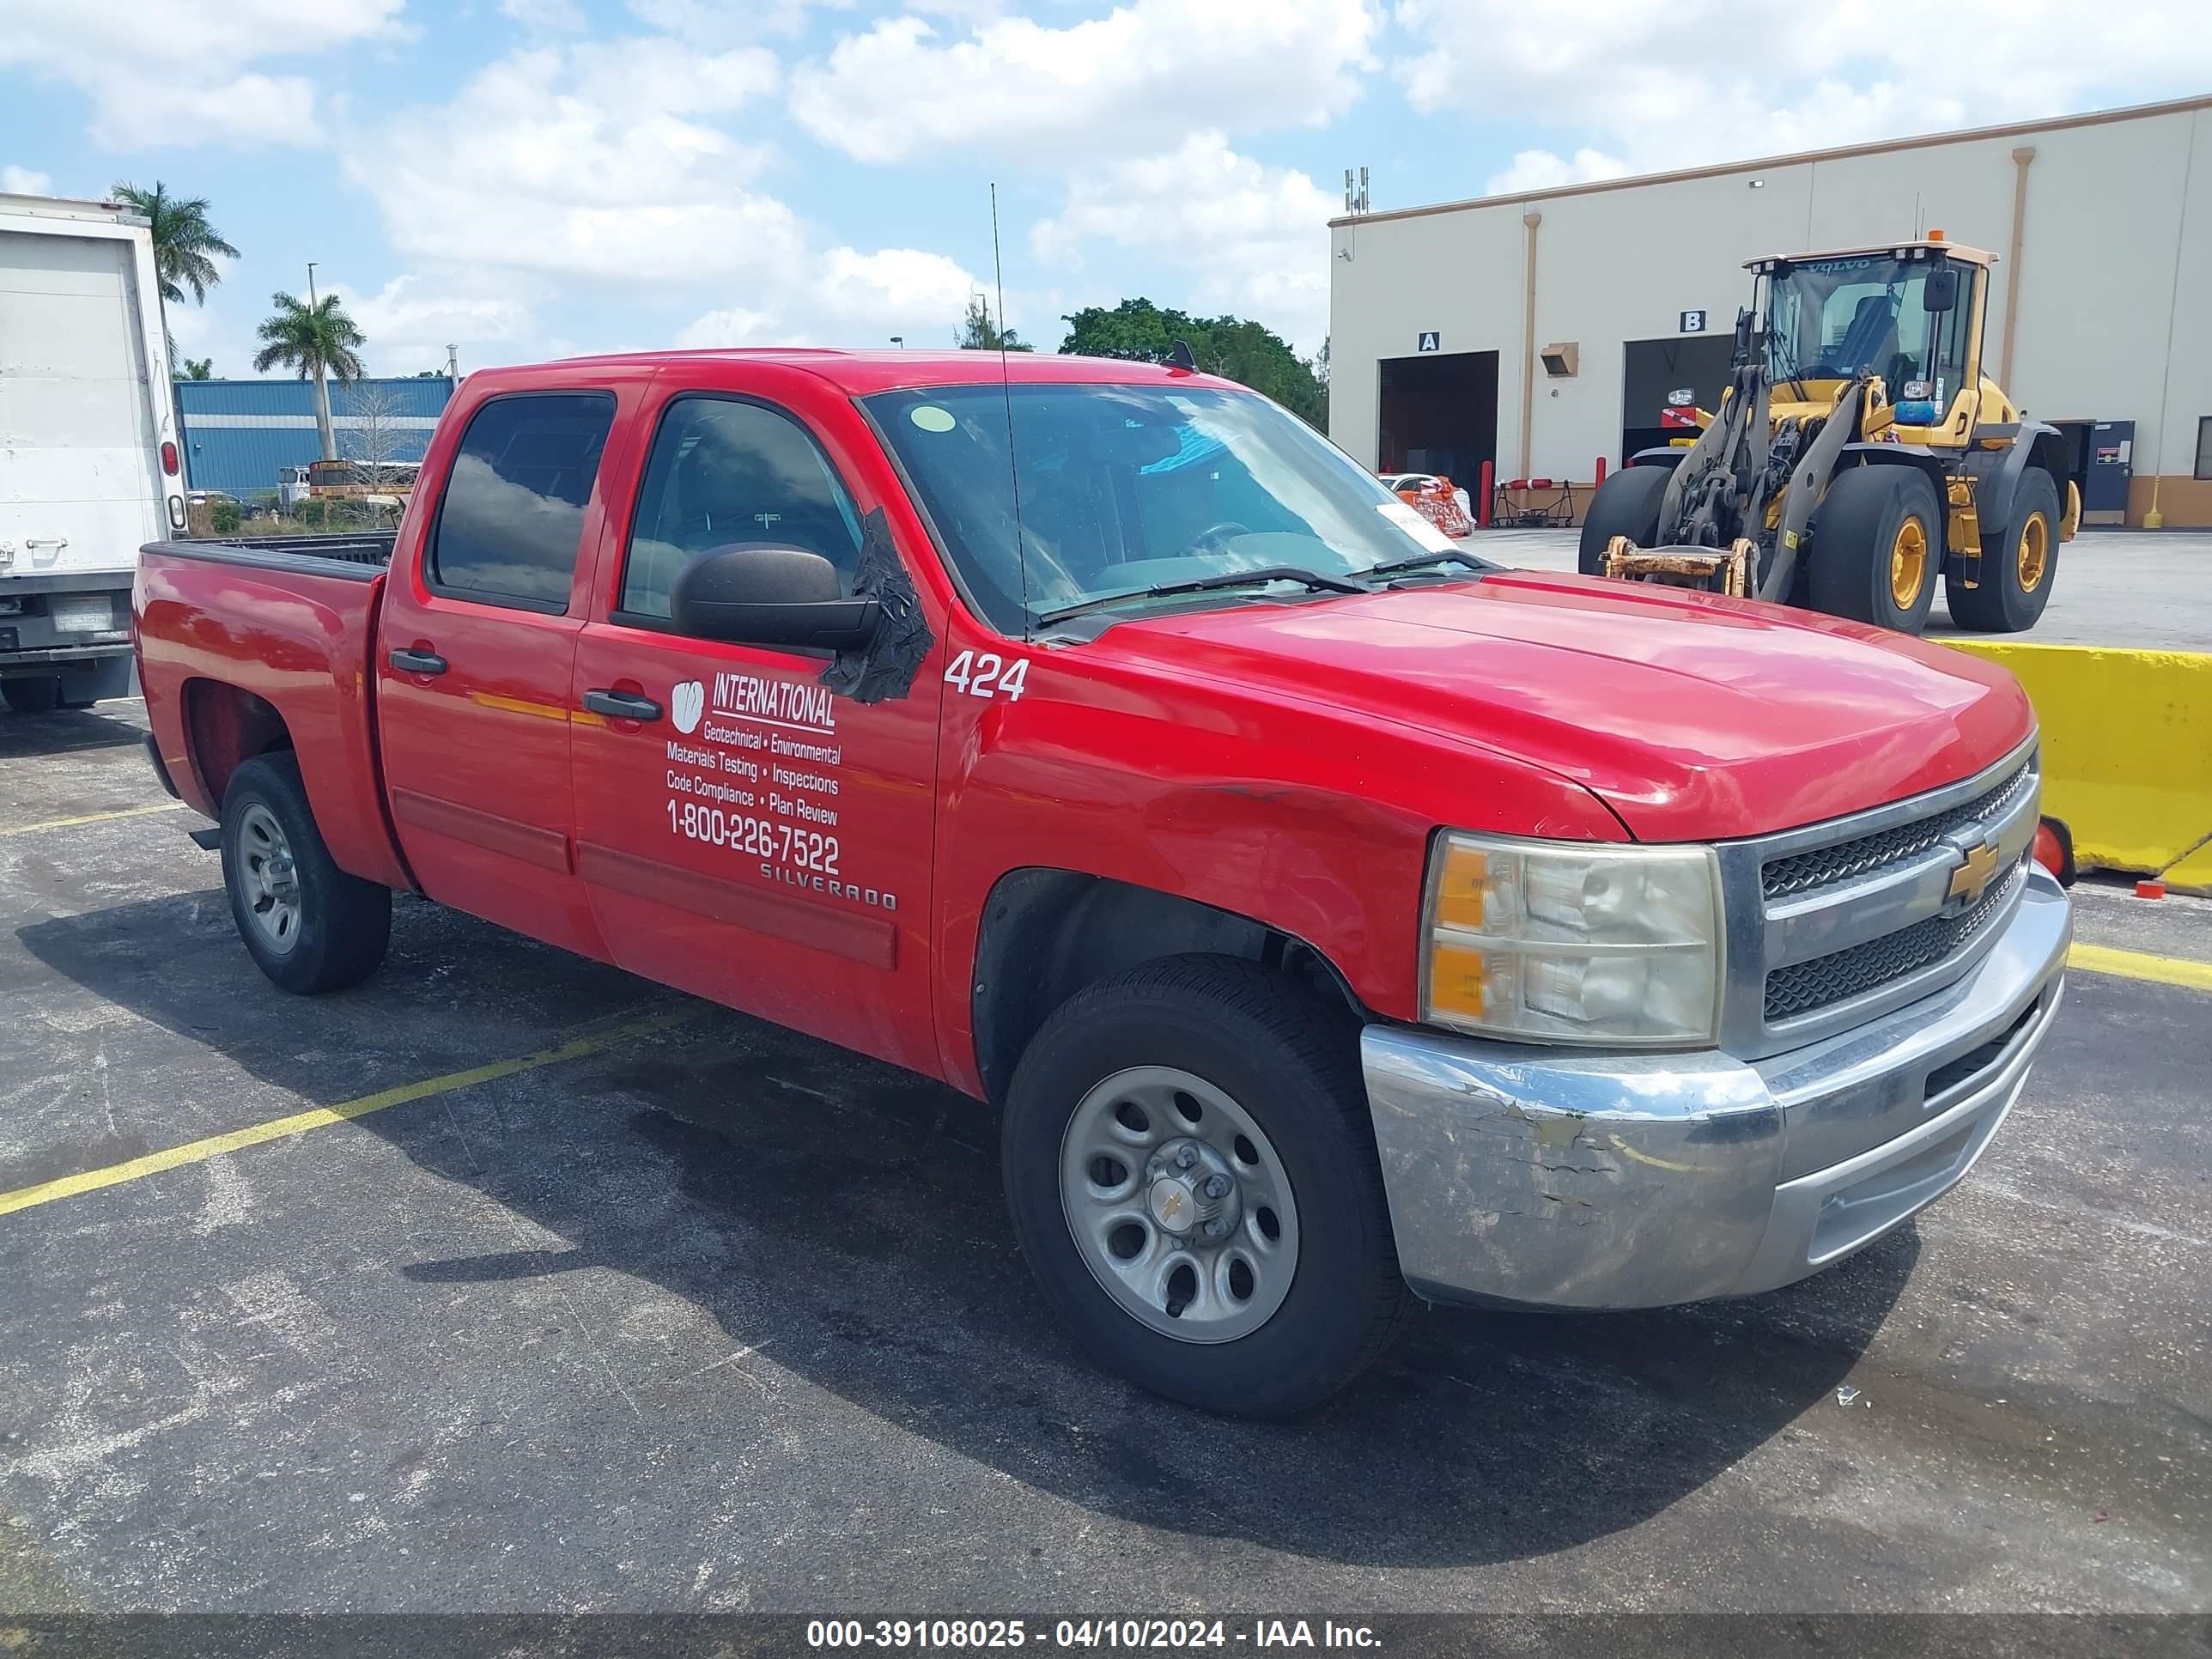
(1180, 1033)
(1877, 544)
(2007, 601)
(310, 926)
(1626, 504)
(38, 695)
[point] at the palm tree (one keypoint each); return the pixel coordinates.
(185, 246)
(314, 339)
(199, 368)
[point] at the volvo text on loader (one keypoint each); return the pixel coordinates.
(1859, 451)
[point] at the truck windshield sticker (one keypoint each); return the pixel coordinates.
(930, 418)
(887, 664)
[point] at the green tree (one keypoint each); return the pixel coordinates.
(186, 246)
(1234, 347)
(316, 340)
(978, 332)
(199, 368)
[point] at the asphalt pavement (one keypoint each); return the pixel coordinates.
(2148, 590)
(620, 1302)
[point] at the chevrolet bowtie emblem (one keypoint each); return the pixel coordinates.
(1970, 879)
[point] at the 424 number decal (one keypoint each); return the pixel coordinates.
(985, 674)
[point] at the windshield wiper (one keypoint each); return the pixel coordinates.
(1420, 560)
(1272, 572)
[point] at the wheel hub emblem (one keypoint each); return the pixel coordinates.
(1174, 1206)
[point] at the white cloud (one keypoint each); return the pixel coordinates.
(555, 17)
(839, 296)
(730, 23)
(1255, 238)
(899, 90)
(1693, 81)
(414, 318)
(22, 181)
(610, 164)
(588, 161)
(190, 80)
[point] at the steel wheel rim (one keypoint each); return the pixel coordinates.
(1908, 563)
(1147, 1253)
(2035, 552)
(268, 878)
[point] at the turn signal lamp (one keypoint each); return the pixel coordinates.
(1555, 942)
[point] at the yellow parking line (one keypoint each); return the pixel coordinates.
(93, 818)
(2138, 965)
(198, 1151)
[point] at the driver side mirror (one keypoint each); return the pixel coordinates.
(1939, 291)
(759, 593)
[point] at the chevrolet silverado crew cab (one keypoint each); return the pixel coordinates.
(1331, 914)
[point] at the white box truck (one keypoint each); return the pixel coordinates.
(89, 467)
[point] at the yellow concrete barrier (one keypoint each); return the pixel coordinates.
(2127, 751)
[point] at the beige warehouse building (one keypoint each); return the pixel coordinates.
(2099, 321)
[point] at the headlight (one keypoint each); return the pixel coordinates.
(1571, 942)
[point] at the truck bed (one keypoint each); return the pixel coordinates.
(247, 642)
(362, 558)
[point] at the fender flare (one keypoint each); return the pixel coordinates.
(1994, 501)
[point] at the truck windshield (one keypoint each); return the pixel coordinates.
(1836, 319)
(1125, 489)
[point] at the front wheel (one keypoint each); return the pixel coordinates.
(1192, 1176)
(1626, 504)
(1877, 544)
(308, 925)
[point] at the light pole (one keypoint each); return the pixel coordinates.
(899, 340)
(311, 283)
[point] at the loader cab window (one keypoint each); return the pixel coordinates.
(1832, 319)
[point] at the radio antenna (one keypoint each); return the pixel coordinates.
(1006, 385)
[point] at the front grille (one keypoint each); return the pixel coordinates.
(1823, 866)
(1803, 987)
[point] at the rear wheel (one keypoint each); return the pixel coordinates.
(2013, 583)
(1626, 504)
(308, 925)
(36, 695)
(1192, 1176)
(1877, 544)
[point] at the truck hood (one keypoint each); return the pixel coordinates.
(1693, 717)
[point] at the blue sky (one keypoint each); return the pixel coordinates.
(532, 178)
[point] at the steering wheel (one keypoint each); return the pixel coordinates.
(1221, 533)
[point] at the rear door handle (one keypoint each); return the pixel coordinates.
(417, 662)
(622, 705)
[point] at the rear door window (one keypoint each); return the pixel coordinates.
(512, 515)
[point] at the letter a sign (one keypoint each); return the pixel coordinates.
(1431, 340)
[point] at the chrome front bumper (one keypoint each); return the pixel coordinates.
(1554, 1178)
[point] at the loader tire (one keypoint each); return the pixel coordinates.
(1626, 504)
(1877, 544)
(2013, 581)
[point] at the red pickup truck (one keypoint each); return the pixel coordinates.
(1330, 912)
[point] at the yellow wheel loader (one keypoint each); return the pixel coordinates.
(1859, 452)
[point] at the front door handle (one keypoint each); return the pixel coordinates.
(417, 662)
(622, 705)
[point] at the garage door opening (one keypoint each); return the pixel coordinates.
(1439, 414)
(1697, 363)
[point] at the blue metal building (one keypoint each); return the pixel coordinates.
(238, 433)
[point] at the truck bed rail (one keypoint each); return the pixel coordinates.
(362, 558)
